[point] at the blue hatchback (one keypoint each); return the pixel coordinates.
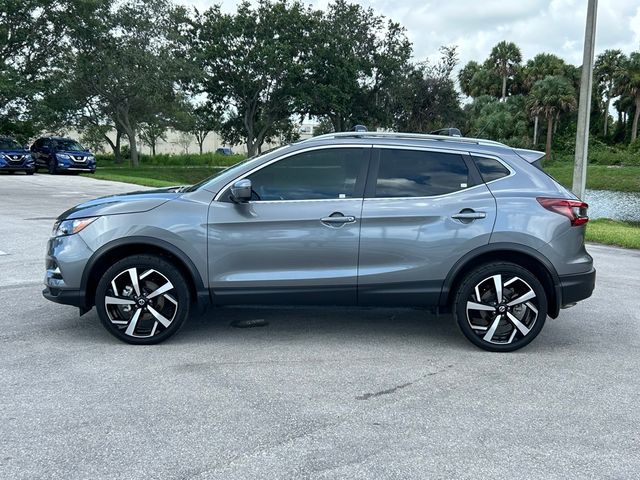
(14, 157)
(59, 154)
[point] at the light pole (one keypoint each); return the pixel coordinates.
(584, 105)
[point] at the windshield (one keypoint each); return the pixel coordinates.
(231, 171)
(9, 144)
(66, 145)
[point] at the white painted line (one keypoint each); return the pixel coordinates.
(3, 253)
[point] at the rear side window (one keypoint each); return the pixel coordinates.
(415, 173)
(331, 173)
(490, 168)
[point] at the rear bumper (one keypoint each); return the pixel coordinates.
(577, 287)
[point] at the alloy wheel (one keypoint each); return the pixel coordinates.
(502, 309)
(141, 303)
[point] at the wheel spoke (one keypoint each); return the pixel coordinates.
(133, 323)
(518, 324)
(492, 330)
(113, 287)
(171, 299)
(522, 298)
(159, 291)
(497, 281)
(480, 306)
(161, 318)
(133, 274)
(532, 307)
(118, 301)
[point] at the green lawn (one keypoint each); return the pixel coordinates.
(599, 177)
(155, 176)
(612, 232)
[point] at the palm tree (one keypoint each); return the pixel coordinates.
(539, 67)
(607, 69)
(629, 84)
(506, 58)
(549, 97)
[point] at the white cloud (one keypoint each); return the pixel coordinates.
(555, 26)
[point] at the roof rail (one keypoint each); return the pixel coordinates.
(415, 136)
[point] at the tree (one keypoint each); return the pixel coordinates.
(505, 58)
(549, 97)
(153, 130)
(426, 98)
(607, 69)
(629, 84)
(488, 117)
(198, 120)
(354, 62)
(252, 64)
(124, 62)
(539, 67)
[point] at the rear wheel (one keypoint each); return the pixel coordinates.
(142, 299)
(500, 307)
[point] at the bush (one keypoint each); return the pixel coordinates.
(189, 159)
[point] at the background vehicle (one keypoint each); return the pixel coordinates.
(59, 154)
(14, 157)
(224, 151)
(348, 218)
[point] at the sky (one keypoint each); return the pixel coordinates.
(551, 26)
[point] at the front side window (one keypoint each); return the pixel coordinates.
(331, 173)
(9, 144)
(415, 173)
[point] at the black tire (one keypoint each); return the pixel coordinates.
(152, 273)
(11, 172)
(52, 167)
(518, 324)
(30, 172)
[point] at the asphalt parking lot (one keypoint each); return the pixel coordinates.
(334, 393)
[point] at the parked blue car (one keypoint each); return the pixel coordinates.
(59, 154)
(14, 157)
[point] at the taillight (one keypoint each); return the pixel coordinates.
(574, 210)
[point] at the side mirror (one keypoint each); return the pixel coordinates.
(241, 191)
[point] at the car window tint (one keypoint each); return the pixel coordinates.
(414, 173)
(490, 168)
(319, 174)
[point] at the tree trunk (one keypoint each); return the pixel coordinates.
(549, 137)
(116, 151)
(200, 142)
(634, 125)
(133, 148)
(153, 149)
(535, 129)
(606, 115)
(504, 87)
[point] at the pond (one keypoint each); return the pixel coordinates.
(614, 205)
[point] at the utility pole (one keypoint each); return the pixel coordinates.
(584, 105)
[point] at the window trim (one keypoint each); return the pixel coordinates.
(360, 195)
(372, 178)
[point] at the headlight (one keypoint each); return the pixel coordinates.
(91, 158)
(63, 156)
(69, 227)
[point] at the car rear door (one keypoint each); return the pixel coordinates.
(296, 241)
(423, 210)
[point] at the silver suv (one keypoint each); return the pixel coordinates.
(358, 218)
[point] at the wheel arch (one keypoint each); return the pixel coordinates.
(116, 250)
(521, 255)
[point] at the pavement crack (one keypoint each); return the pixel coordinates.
(388, 391)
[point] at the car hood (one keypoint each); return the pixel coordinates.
(133, 202)
(14, 152)
(77, 153)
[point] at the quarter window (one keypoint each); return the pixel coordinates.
(490, 168)
(415, 173)
(331, 173)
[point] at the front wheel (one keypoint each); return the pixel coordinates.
(142, 299)
(500, 306)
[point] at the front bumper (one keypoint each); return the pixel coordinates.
(577, 287)
(77, 298)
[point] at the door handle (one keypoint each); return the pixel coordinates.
(338, 219)
(469, 215)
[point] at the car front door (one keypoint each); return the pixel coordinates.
(296, 240)
(423, 210)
